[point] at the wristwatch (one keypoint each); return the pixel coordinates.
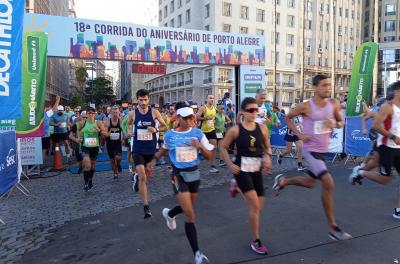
(392, 136)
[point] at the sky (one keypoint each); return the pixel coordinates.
(127, 11)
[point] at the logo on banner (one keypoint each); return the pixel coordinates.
(356, 136)
(334, 135)
(10, 159)
(282, 131)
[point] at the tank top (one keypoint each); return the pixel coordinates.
(219, 122)
(313, 126)
(297, 123)
(208, 125)
(250, 147)
(391, 124)
(115, 135)
(90, 135)
(144, 142)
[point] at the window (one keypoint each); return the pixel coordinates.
(275, 57)
(290, 3)
(159, 16)
(173, 97)
(389, 38)
(207, 27)
(260, 15)
(277, 36)
(390, 10)
(172, 23)
(189, 95)
(172, 6)
(389, 25)
(207, 10)
(244, 12)
(346, 13)
(165, 24)
(179, 21)
(188, 16)
(260, 32)
(289, 58)
(179, 3)
(290, 40)
(243, 30)
(290, 21)
(165, 11)
(389, 55)
(181, 95)
(226, 28)
(227, 10)
(278, 18)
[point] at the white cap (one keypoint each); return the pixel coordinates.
(185, 111)
(60, 108)
(83, 113)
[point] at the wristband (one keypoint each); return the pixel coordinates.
(392, 137)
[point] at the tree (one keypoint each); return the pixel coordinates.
(81, 76)
(78, 99)
(102, 91)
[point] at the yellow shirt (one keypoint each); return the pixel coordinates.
(208, 125)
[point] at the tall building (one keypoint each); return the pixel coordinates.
(58, 69)
(303, 40)
(388, 37)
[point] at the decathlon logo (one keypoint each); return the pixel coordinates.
(282, 131)
(10, 159)
(334, 135)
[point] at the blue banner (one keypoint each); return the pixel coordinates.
(8, 162)
(278, 134)
(356, 143)
(11, 20)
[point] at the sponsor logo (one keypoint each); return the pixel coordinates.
(6, 18)
(282, 131)
(10, 159)
(357, 135)
(253, 77)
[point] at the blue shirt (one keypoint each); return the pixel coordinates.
(47, 116)
(175, 141)
(62, 127)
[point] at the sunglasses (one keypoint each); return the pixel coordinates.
(187, 117)
(251, 110)
(90, 113)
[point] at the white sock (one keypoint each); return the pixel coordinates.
(362, 165)
(361, 172)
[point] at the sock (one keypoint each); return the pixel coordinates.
(280, 156)
(258, 241)
(175, 211)
(191, 235)
(91, 175)
(362, 165)
(86, 176)
(360, 172)
(146, 207)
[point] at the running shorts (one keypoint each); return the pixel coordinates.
(248, 181)
(291, 138)
(211, 135)
(141, 159)
(389, 157)
(58, 137)
(114, 149)
(316, 164)
(78, 153)
(92, 153)
(45, 142)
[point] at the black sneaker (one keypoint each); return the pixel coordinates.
(86, 188)
(90, 185)
(396, 214)
(119, 167)
(279, 160)
(80, 170)
(147, 213)
(135, 182)
(115, 176)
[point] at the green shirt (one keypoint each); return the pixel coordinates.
(219, 122)
(124, 126)
(274, 119)
(90, 135)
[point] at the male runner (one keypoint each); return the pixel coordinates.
(320, 116)
(114, 140)
(144, 143)
(60, 121)
(74, 136)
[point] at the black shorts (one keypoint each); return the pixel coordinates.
(91, 152)
(58, 137)
(141, 159)
(45, 142)
(389, 157)
(291, 138)
(211, 135)
(78, 152)
(248, 181)
(182, 186)
(114, 149)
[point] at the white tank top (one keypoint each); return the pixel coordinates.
(391, 124)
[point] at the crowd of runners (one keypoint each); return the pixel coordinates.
(185, 133)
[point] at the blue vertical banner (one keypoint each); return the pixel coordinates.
(357, 143)
(11, 32)
(278, 135)
(8, 162)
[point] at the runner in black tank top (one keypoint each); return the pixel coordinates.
(252, 159)
(114, 141)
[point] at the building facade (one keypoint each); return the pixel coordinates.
(388, 37)
(302, 37)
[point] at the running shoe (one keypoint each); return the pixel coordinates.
(259, 248)
(115, 176)
(222, 163)
(147, 213)
(355, 177)
(86, 188)
(90, 185)
(301, 168)
(338, 234)
(135, 182)
(214, 169)
(277, 187)
(169, 167)
(200, 258)
(171, 223)
(396, 214)
(233, 188)
(130, 168)
(279, 160)
(119, 167)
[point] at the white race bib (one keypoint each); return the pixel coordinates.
(114, 136)
(220, 135)
(321, 128)
(186, 154)
(210, 123)
(63, 125)
(248, 164)
(144, 135)
(91, 142)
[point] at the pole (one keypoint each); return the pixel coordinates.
(91, 86)
(376, 40)
(332, 37)
(302, 48)
(274, 71)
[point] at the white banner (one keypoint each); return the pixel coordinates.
(31, 151)
(336, 141)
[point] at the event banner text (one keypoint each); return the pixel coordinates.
(91, 39)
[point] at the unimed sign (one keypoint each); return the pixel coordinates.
(149, 69)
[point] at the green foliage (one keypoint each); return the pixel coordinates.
(81, 76)
(78, 99)
(102, 91)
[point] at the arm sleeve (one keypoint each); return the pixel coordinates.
(205, 143)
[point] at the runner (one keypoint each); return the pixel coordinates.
(320, 116)
(48, 113)
(89, 135)
(220, 121)
(127, 141)
(114, 140)
(144, 143)
(75, 138)
(291, 138)
(60, 121)
(182, 144)
(206, 115)
(387, 124)
(251, 141)
(168, 117)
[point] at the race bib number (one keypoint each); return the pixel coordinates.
(248, 164)
(186, 154)
(210, 123)
(114, 136)
(91, 142)
(321, 128)
(220, 135)
(63, 125)
(144, 135)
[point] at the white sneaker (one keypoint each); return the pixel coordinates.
(130, 168)
(213, 169)
(354, 177)
(171, 223)
(200, 258)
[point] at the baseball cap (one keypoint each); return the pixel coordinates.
(185, 111)
(60, 108)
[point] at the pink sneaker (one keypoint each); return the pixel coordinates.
(259, 248)
(233, 188)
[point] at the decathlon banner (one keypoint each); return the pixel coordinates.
(356, 143)
(336, 141)
(361, 77)
(252, 78)
(92, 39)
(278, 135)
(33, 85)
(8, 162)
(11, 20)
